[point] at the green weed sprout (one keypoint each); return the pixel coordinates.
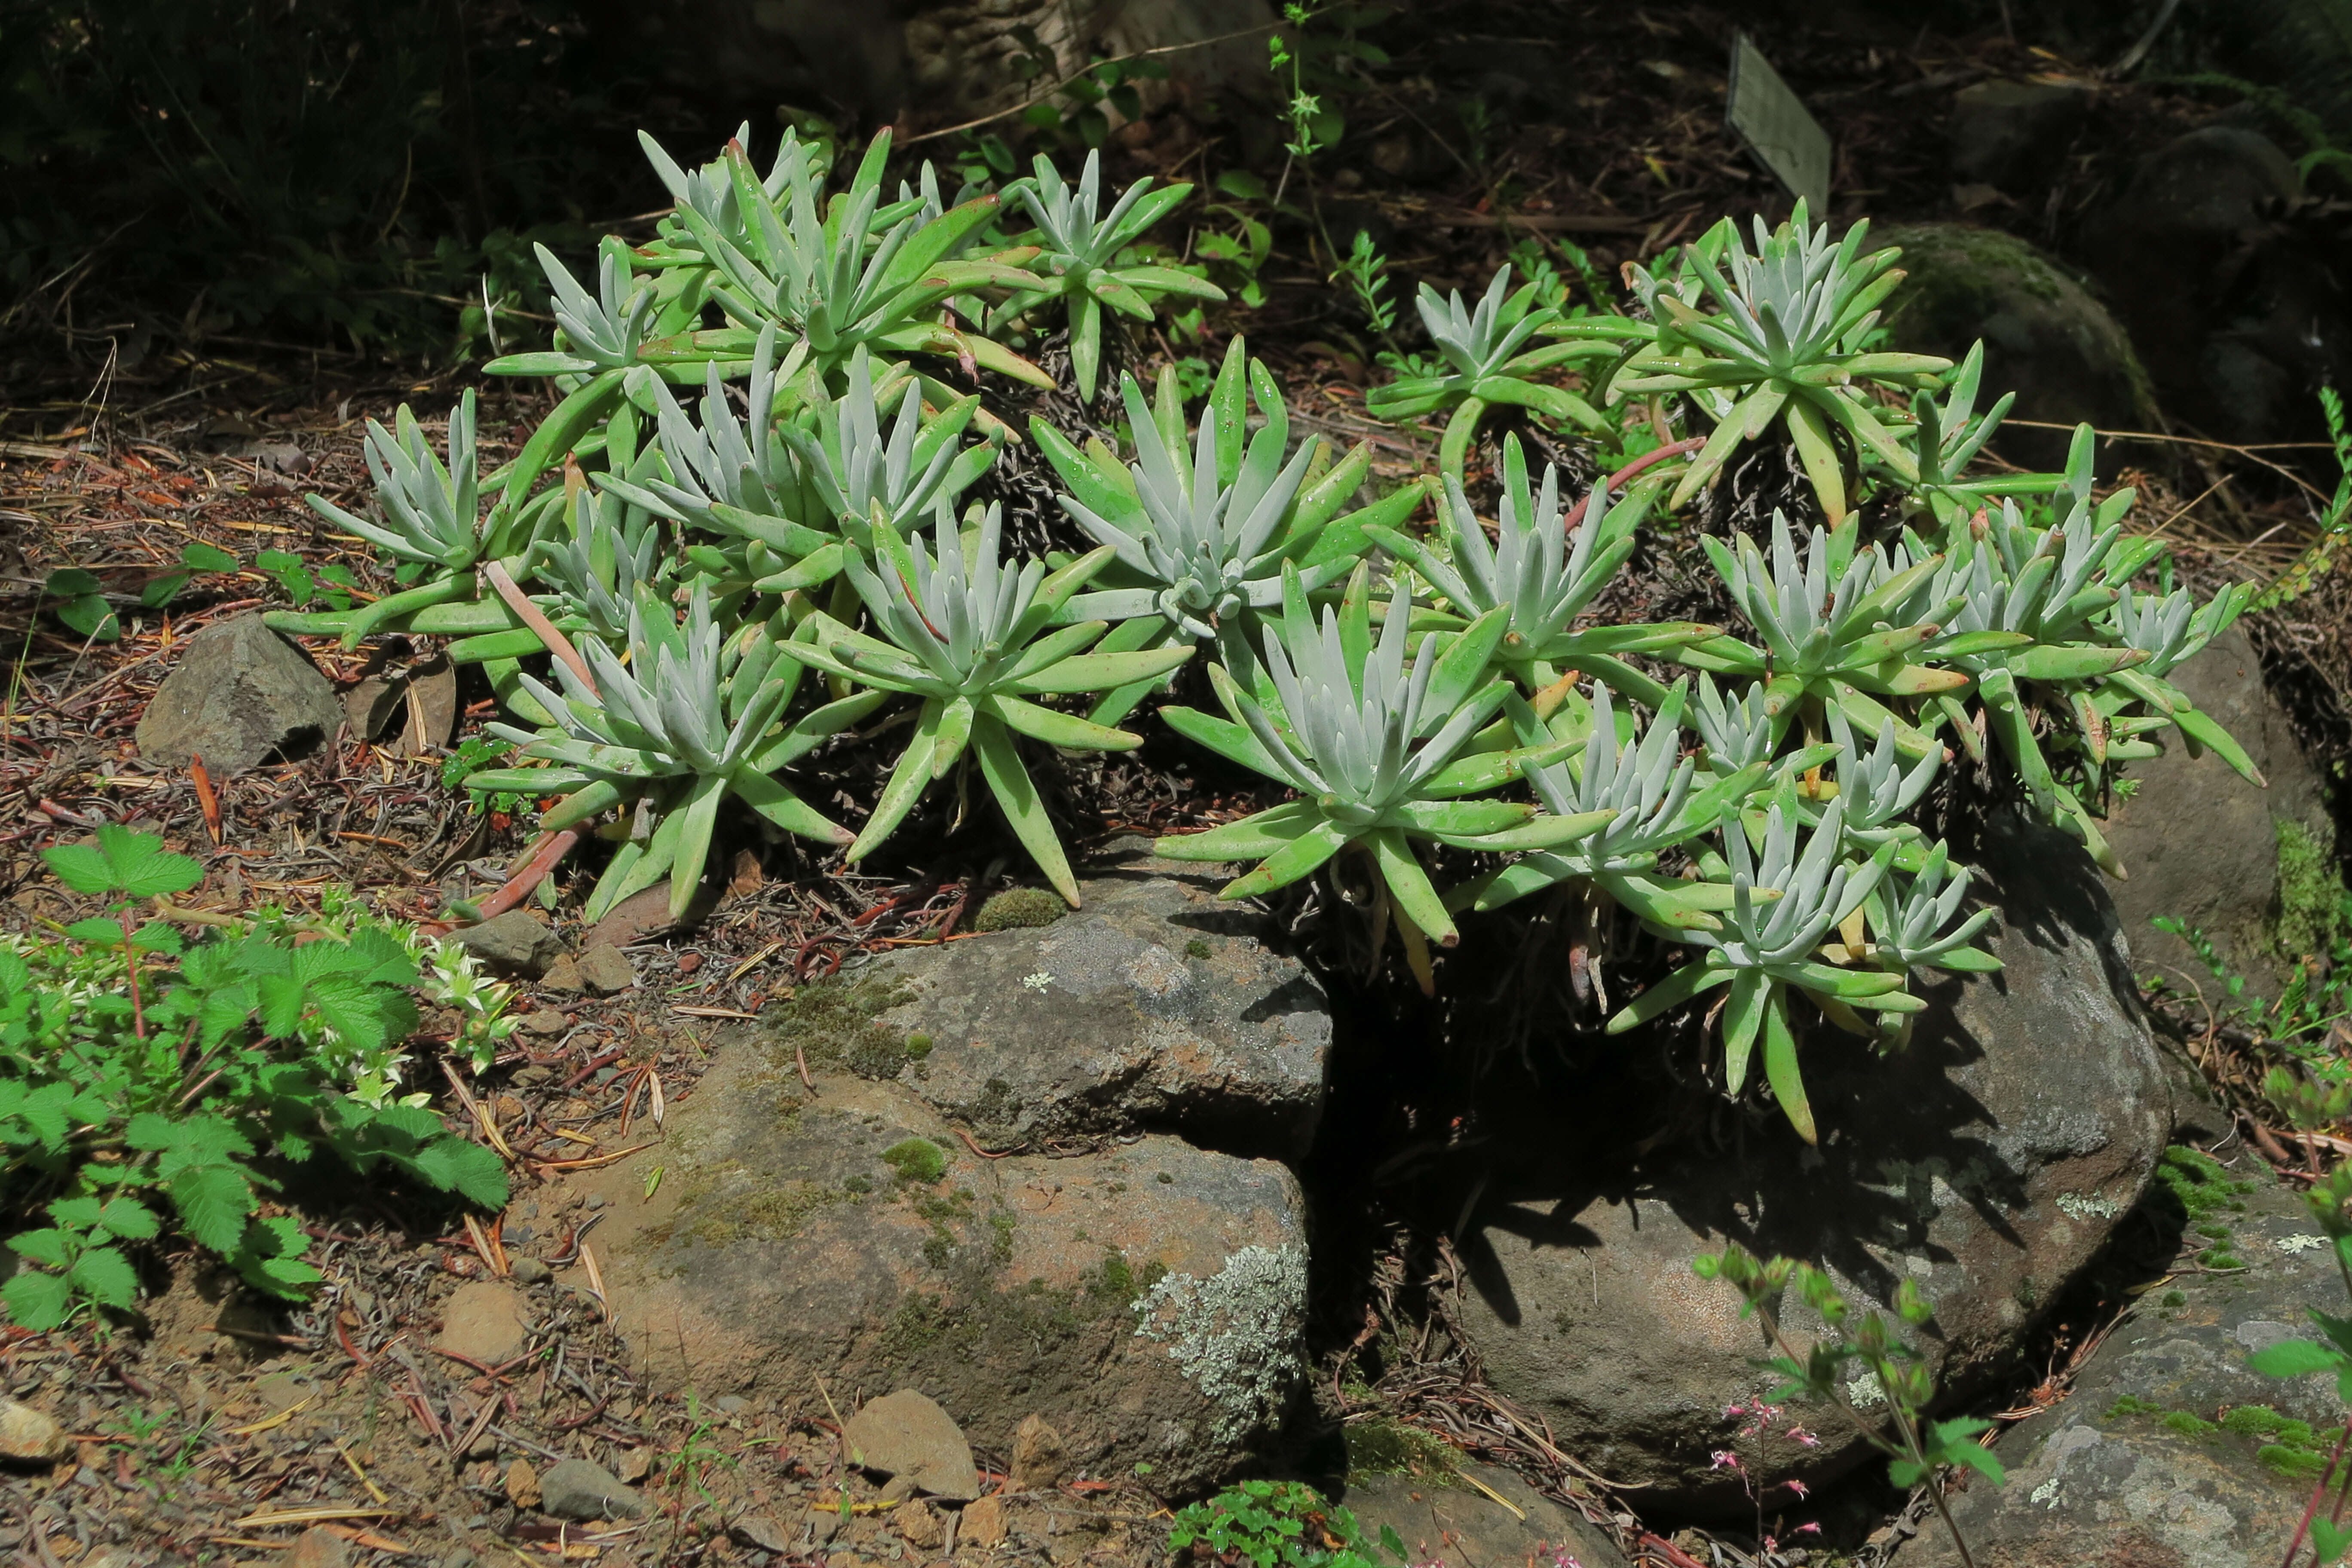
(1850, 1349)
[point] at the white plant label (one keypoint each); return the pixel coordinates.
(1778, 127)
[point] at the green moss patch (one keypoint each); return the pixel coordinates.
(1384, 1447)
(2210, 1196)
(2310, 892)
(2285, 1446)
(918, 1160)
(1020, 907)
(831, 1022)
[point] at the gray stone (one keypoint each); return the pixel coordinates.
(2046, 338)
(530, 1271)
(577, 1489)
(1455, 1526)
(852, 1236)
(239, 695)
(607, 970)
(762, 1531)
(1985, 1162)
(564, 975)
(906, 1436)
(516, 943)
(2013, 134)
(2128, 1460)
(2203, 843)
(1151, 1007)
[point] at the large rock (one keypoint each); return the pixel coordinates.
(239, 696)
(2046, 338)
(1985, 1163)
(1146, 1296)
(2253, 868)
(2171, 1451)
(2232, 296)
(1455, 1526)
(2014, 134)
(1151, 1006)
(906, 1435)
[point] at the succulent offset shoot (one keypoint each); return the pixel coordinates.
(1490, 363)
(969, 636)
(1378, 751)
(2170, 629)
(1078, 257)
(593, 573)
(859, 471)
(820, 271)
(1544, 577)
(1947, 437)
(431, 518)
(1200, 544)
(1829, 623)
(1771, 948)
(688, 721)
(1777, 348)
(2026, 612)
(1656, 792)
(735, 480)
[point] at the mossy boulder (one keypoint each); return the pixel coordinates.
(2046, 337)
(2170, 1448)
(1147, 1298)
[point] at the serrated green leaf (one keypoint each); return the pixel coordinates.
(106, 1277)
(53, 1247)
(213, 1202)
(37, 1302)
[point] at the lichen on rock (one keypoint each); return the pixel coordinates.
(1233, 1335)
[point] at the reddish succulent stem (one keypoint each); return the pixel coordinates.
(1671, 450)
(545, 856)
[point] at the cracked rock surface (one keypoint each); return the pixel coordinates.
(2171, 1451)
(1133, 1270)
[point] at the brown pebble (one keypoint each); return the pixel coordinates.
(983, 1522)
(687, 963)
(918, 1525)
(522, 1484)
(29, 1437)
(319, 1548)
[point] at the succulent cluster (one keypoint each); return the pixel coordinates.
(1431, 698)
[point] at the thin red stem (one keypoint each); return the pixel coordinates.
(1671, 450)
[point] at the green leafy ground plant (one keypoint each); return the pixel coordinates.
(144, 1075)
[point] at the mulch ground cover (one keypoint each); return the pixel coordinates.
(218, 1430)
